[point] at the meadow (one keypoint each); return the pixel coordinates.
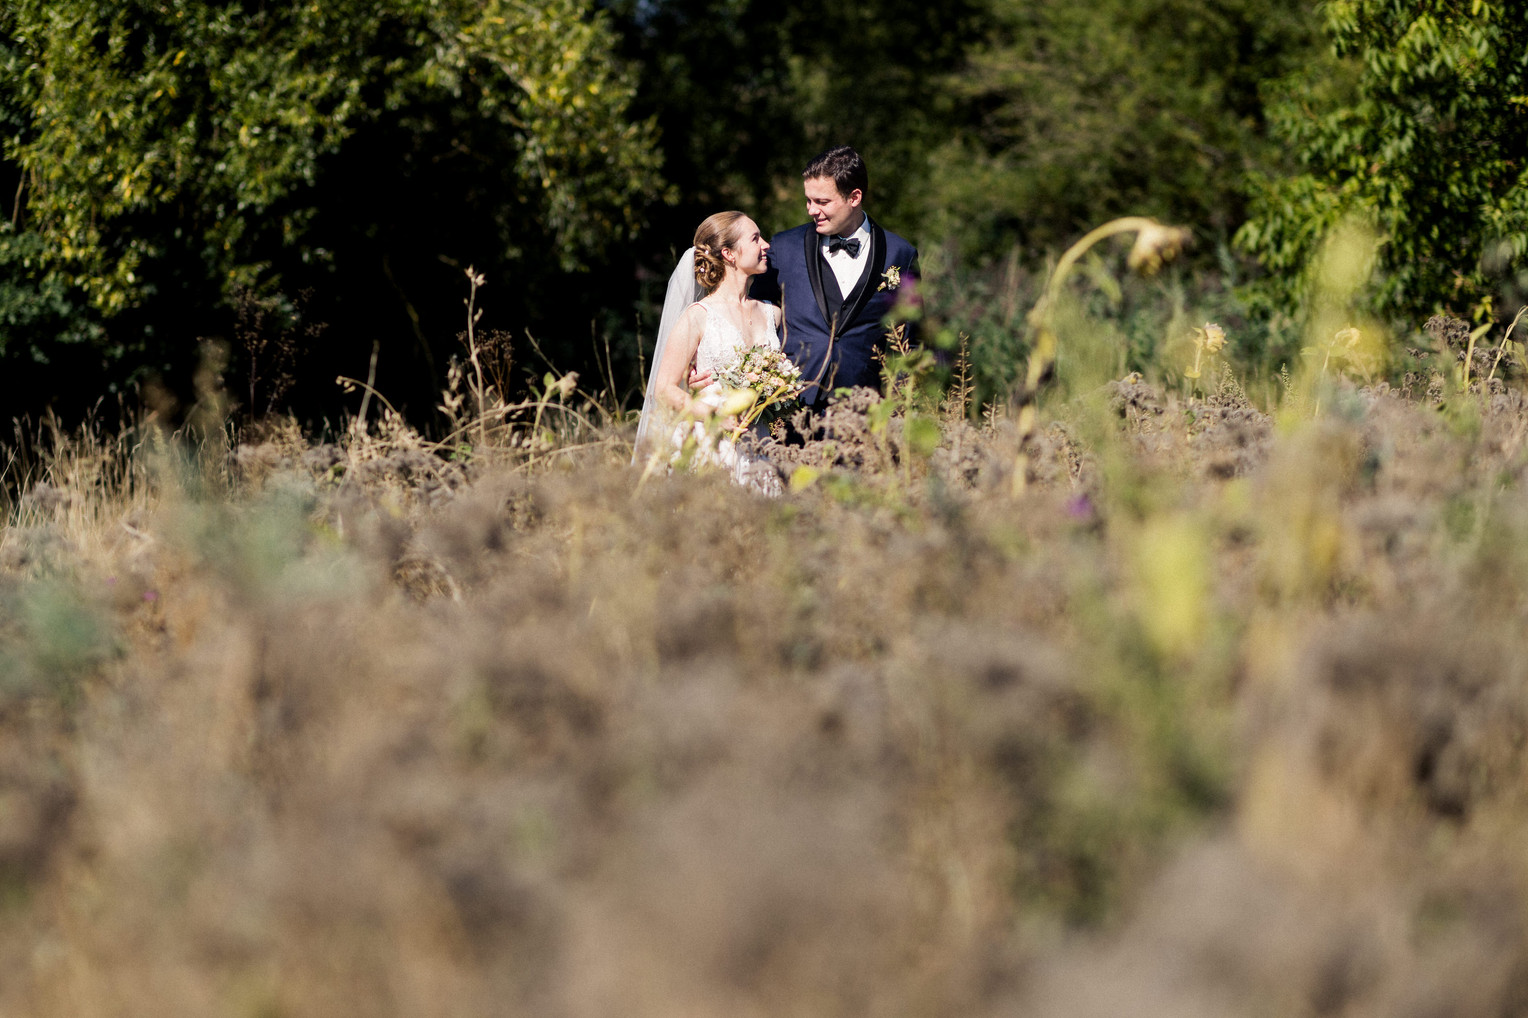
(1178, 703)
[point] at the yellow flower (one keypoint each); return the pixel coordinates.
(1208, 340)
(1348, 337)
(1214, 337)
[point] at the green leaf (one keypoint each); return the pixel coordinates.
(922, 434)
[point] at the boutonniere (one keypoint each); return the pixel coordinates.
(890, 279)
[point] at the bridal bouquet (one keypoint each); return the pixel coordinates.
(767, 385)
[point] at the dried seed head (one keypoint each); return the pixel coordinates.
(563, 387)
(1156, 244)
(1448, 331)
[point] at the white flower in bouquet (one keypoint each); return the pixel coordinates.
(767, 381)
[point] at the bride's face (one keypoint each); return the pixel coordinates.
(750, 251)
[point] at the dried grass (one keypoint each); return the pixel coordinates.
(1220, 716)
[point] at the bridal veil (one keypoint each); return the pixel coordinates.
(683, 291)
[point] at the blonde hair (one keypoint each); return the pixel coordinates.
(718, 231)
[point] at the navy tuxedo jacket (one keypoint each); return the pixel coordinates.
(835, 338)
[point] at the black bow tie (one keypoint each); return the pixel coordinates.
(851, 245)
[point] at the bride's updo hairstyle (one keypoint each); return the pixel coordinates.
(718, 231)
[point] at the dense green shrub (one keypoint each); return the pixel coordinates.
(1073, 114)
(172, 154)
(1421, 135)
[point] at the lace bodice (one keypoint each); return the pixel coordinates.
(721, 343)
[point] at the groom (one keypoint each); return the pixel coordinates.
(836, 279)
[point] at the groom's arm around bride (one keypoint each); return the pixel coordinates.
(836, 277)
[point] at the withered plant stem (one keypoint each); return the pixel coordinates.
(1043, 357)
(1502, 346)
(473, 314)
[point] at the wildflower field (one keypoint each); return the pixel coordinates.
(1176, 703)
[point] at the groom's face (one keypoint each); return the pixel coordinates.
(831, 212)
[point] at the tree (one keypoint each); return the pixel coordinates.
(746, 92)
(33, 303)
(1424, 139)
(175, 152)
(1072, 114)
(875, 75)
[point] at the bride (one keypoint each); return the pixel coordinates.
(707, 324)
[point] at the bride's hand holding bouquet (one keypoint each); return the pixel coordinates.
(763, 385)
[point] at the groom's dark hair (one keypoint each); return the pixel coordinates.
(844, 166)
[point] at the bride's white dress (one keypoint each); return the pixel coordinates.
(722, 344)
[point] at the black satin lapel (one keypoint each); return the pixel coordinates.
(814, 273)
(872, 279)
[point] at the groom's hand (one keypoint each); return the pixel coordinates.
(700, 379)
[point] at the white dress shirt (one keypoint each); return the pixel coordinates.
(848, 269)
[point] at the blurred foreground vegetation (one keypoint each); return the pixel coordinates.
(1217, 708)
